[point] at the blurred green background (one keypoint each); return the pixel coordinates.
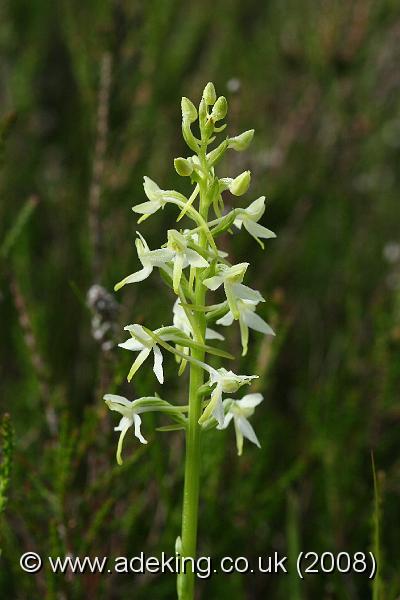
(90, 102)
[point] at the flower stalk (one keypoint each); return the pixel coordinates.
(193, 267)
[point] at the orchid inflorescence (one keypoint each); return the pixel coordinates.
(192, 265)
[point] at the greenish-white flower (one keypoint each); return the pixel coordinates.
(157, 198)
(249, 217)
(130, 416)
(143, 343)
(240, 411)
(225, 382)
(182, 322)
(182, 256)
(247, 319)
(130, 412)
(231, 278)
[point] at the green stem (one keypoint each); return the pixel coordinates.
(186, 581)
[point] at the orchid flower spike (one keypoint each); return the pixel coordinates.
(249, 217)
(225, 382)
(130, 416)
(247, 319)
(239, 411)
(231, 278)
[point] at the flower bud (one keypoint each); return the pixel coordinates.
(209, 94)
(189, 111)
(220, 109)
(215, 155)
(240, 184)
(242, 141)
(183, 167)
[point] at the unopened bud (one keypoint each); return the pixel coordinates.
(183, 167)
(189, 111)
(220, 109)
(242, 141)
(240, 184)
(209, 94)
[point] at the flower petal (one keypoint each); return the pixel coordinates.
(131, 344)
(227, 419)
(211, 334)
(134, 278)
(226, 320)
(123, 427)
(158, 257)
(146, 208)
(212, 283)
(177, 271)
(257, 230)
(115, 399)
(158, 360)
(195, 259)
(138, 421)
(246, 293)
(141, 357)
(247, 430)
(255, 322)
(250, 400)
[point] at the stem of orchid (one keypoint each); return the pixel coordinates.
(193, 432)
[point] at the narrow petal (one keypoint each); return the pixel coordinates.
(255, 322)
(227, 419)
(231, 297)
(257, 230)
(132, 344)
(247, 430)
(115, 399)
(134, 278)
(239, 438)
(218, 411)
(244, 335)
(138, 422)
(195, 259)
(158, 257)
(177, 271)
(216, 398)
(158, 360)
(151, 189)
(141, 357)
(211, 334)
(246, 293)
(226, 320)
(146, 208)
(123, 427)
(250, 400)
(212, 283)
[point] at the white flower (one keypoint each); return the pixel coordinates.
(143, 343)
(182, 322)
(130, 416)
(231, 278)
(147, 266)
(239, 411)
(249, 218)
(247, 319)
(226, 382)
(182, 256)
(157, 198)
